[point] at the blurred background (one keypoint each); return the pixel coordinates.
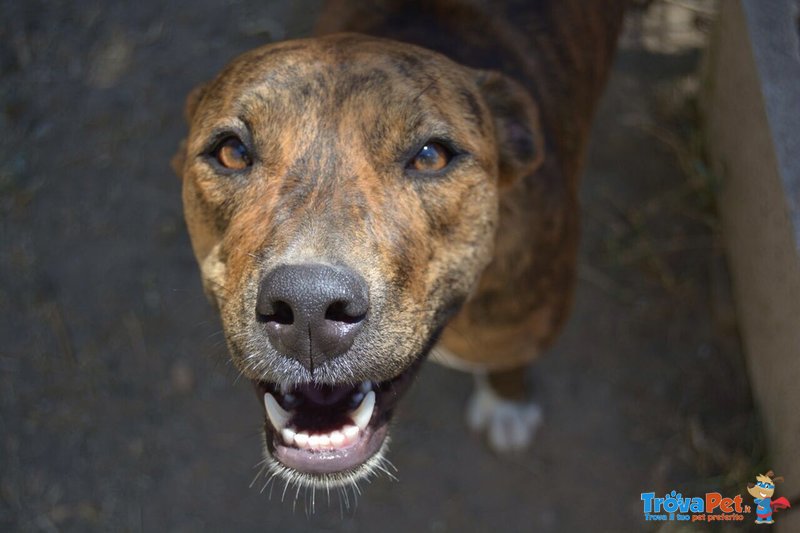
(119, 409)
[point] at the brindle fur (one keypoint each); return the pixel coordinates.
(331, 121)
(561, 51)
(331, 132)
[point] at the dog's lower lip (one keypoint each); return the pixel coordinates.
(332, 461)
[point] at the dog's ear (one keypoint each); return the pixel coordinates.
(192, 101)
(177, 161)
(520, 141)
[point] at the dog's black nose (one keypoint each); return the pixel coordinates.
(312, 312)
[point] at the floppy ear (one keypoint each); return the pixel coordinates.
(520, 141)
(192, 101)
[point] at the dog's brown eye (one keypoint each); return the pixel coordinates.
(432, 157)
(232, 153)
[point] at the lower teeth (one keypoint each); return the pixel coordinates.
(335, 439)
(339, 438)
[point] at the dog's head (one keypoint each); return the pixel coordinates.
(341, 195)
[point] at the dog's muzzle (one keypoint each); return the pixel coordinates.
(312, 313)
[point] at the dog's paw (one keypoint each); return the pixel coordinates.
(509, 425)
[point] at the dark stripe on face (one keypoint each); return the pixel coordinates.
(357, 83)
(409, 66)
(441, 226)
(476, 113)
(217, 215)
(357, 203)
(403, 270)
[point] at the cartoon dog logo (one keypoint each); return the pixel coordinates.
(762, 491)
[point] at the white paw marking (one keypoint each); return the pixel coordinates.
(509, 426)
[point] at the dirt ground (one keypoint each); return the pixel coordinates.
(119, 411)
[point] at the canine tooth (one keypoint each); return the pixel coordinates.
(337, 438)
(366, 386)
(277, 415)
(313, 441)
(350, 432)
(301, 440)
(288, 435)
(363, 413)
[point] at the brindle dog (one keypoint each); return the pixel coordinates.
(352, 200)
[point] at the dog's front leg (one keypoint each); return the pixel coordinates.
(501, 407)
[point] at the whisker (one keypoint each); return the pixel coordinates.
(284, 488)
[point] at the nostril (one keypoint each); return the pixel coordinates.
(312, 312)
(281, 314)
(338, 312)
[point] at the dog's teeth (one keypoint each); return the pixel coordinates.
(277, 415)
(344, 436)
(288, 436)
(358, 396)
(337, 438)
(301, 440)
(363, 413)
(327, 441)
(350, 432)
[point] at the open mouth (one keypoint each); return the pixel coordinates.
(330, 432)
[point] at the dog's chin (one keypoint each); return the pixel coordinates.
(329, 435)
